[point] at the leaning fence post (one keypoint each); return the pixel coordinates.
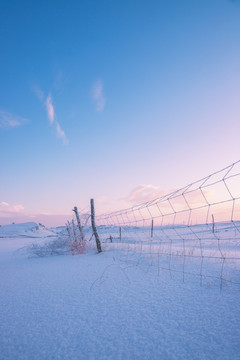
(75, 209)
(98, 243)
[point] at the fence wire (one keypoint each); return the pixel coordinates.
(194, 230)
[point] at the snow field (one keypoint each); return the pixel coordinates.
(112, 305)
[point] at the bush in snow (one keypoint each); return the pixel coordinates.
(61, 245)
(56, 246)
(78, 247)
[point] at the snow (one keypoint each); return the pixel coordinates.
(30, 229)
(112, 305)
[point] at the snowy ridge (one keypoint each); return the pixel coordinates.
(29, 229)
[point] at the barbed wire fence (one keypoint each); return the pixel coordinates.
(194, 230)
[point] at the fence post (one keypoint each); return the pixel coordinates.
(98, 243)
(75, 209)
(120, 233)
(74, 231)
(68, 231)
(152, 229)
(213, 224)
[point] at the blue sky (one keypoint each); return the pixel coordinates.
(103, 98)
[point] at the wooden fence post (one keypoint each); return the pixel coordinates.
(120, 233)
(98, 243)
(75, 209)
(74, 231)
(213, 224)
(69, 227)
(152, 229)
(68, 231)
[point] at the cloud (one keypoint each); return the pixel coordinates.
(39, 93)
(60, 80)
(48, 104)
(50, 109)
(6, 208)
(14, 213)
(4, 203)
(46, 219)
(52, 119)
(144, 193)
(10, 120)
(138, 195)
(61, 134)
(98, 95)
(17, 208)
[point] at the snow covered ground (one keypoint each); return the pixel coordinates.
(112, 305)
(30, 229)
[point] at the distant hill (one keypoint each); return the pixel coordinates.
(29, 229)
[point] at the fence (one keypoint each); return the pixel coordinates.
(194, 230)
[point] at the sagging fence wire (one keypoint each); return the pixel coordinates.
(194, 230)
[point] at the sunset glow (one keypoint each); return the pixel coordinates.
(120, 101)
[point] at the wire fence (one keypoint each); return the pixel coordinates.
(194, 230)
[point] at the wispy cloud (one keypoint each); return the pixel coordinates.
(10, 120)
(48, 104)
(6, 208)
(4, 203)
(144, 193)
(61, 134)
(39, 93)
(98, 95)
(50, 109)
(43, 218)
(138, 195)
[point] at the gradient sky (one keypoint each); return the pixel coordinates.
(113, 100)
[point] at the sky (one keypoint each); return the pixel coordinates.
(113, 100)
